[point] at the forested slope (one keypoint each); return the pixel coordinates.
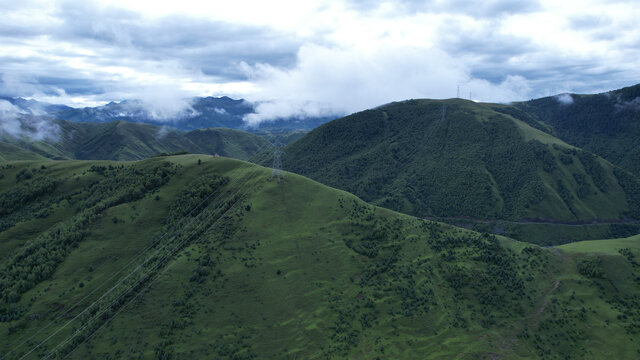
(456, 158)
(121, 140)
(607, 124)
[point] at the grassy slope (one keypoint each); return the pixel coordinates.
(474, 162)
(121, 140)
(9, 152)
(608, 246)
(301, 270)
(227, 142)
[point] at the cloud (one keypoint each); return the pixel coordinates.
(166, 104)
(18, 124)
(633, 104)
(333, 81)
(564, 99)
(484, 9)
(92, 52)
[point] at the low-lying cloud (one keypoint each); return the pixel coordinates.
(330, 81)
(564, 99)
(17, 123)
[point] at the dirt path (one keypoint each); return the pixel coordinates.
(531, 321)
(546, 301)
(555, 286)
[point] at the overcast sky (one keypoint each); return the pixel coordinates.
(311, 57)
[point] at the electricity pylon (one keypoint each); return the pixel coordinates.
(276, 168)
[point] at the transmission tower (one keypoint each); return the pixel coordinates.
(276, 168)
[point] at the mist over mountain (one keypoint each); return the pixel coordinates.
(119, 140)
(185, 114)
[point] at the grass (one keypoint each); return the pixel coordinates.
(607, 247)
(300, 270)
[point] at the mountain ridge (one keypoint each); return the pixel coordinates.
(122, 140)
(447, 158)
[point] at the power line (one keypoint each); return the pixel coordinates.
(154, 243)
(166, 257)
(148, 286)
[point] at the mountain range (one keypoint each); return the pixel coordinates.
(188, 114)
(121, 140)
(419, 229)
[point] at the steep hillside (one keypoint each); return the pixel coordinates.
(456, 158)
(121, 140)
(202, 257)
(607, 124)
(227, 142)
(9, 152)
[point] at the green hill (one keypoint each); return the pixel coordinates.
(121, 140)
(202, 257)
(457, 158)
(607, 124)
(9, 152)
(227, 142)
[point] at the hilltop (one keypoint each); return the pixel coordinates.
(196, 256)
(460, 158)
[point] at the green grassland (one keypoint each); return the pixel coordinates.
(548, 234)
(195, 256)
(608, 246)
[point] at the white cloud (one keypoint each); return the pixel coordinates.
(564, 99)
(317, 57)
(16, 123)
(335, 81)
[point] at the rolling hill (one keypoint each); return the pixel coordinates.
(607, 124)
(203, 257)
(466, 162)
(121, 140)
(457, 158)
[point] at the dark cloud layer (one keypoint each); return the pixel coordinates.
(69, 51)
(117, 37)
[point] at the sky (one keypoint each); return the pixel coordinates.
(314, 58)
